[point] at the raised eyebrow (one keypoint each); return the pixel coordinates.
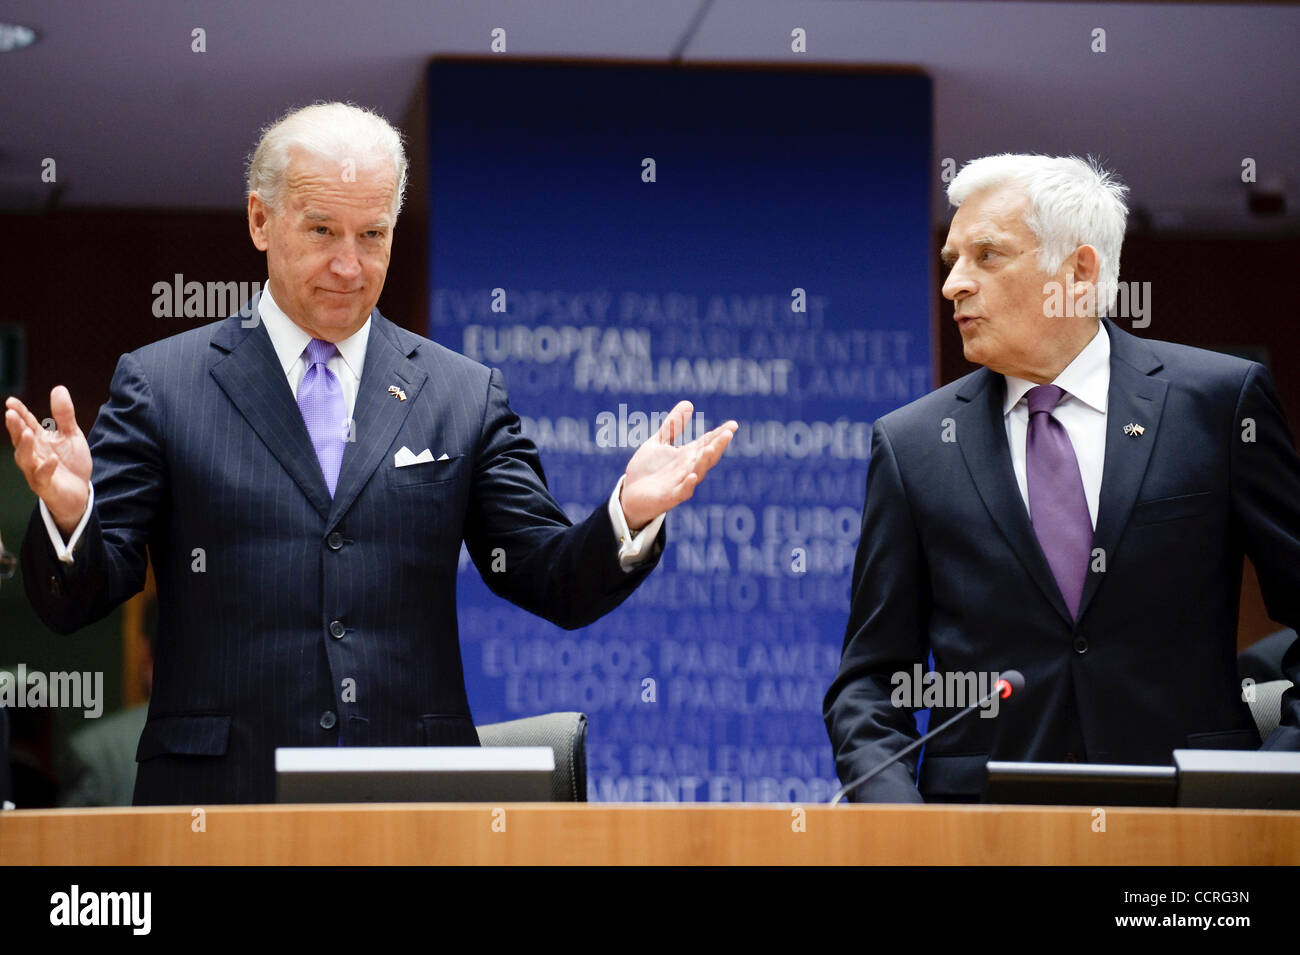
(326, 217)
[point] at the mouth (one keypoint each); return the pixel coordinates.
(966, 321)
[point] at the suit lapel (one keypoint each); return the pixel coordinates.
(982, 437)
(378, 414)
(1134, 397)
(252, 378)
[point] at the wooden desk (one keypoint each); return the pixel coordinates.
(602, 833)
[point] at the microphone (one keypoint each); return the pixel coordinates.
(1012, 681)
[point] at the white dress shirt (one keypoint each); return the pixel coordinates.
(1086, 382)
(290, 343)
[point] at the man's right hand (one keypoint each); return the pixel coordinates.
(56, 463)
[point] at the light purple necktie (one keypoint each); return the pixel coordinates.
(1058, 508)
(320, 399)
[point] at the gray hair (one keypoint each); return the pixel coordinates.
(335, 131)
(1072, 202)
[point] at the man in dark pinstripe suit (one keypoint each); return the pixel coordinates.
(302, 475)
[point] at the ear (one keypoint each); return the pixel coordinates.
(259, 217)
(1087, 265)
(1083, 271)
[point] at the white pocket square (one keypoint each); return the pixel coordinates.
(405, 457)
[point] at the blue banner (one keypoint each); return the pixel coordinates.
(617, 238)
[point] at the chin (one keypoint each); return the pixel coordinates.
(340, 316)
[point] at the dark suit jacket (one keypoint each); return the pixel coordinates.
(948, 563)
(287, 618)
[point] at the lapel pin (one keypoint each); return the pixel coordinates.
(400, 395)
(1134, 430)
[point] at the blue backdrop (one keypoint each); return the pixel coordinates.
(772, 264)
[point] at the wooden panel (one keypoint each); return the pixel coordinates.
(637, 834)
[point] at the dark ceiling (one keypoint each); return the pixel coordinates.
(1183, 94)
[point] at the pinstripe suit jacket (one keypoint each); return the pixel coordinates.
(287, 618)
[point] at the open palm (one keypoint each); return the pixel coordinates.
(661, 475)
(56, 463)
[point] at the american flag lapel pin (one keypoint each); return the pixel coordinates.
(1134, 430)
(397, 393)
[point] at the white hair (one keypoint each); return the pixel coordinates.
(1072, 202)
(333, 131)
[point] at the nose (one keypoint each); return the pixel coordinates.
(959, 284)
(346, 264)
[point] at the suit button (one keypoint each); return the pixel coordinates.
(55, 589)
(335, 541)
(1080, 645)
(327, 720)
(337, 629)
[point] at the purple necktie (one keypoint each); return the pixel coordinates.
(1058, 508)
(320, 399)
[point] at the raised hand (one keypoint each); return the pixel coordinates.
(661, 475)
(55, 463)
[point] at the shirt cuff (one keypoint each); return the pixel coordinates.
(62, 550)
(633, 548)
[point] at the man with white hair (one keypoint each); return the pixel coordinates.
(1077, 509)
(302, 475)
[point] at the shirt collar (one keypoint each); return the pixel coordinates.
(289, 340)
(1086, 378)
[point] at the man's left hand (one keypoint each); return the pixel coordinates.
(661, 475)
